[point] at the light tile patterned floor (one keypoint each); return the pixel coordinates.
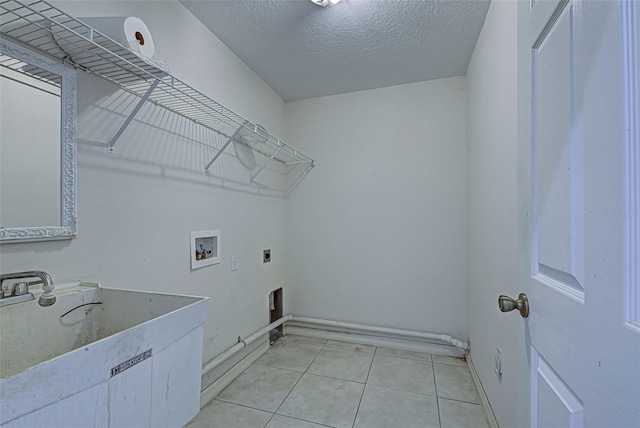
(306, 382)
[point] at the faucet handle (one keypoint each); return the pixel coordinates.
(20, 289)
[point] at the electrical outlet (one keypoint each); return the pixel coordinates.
(266, 256)
(234, 262)
(498, 362)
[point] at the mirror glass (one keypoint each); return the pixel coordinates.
(37, 146)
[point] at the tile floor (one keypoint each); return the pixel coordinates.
(306, 382)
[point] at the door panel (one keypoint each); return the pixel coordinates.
(557, 158)
(561, 406)
(579, 161)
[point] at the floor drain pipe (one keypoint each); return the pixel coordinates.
(388, 330)
(242, 343)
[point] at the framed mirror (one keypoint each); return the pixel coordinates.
(37, 146)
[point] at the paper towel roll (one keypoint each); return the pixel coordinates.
(129, 31)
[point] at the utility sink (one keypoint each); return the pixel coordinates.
(101, 357)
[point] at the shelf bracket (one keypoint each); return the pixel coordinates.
(264, 165)
(135, 111)
(222, 149)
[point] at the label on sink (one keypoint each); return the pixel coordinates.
(131, 362)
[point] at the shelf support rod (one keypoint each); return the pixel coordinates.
(264, 165)
(135, 111)
(222, 149)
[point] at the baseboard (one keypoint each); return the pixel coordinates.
(491, 418)
(369, 339)
(223, 381)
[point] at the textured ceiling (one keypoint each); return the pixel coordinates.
(302, 50)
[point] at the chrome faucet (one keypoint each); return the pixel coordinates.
(47, 298)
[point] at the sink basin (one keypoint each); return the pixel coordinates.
(100, 357)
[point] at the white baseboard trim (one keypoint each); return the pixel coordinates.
(223, 381)
(368, 339)
(491, 418)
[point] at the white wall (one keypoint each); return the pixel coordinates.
(491, 209)
(137, 207)
(376, 233)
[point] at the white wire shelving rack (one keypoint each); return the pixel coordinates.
(47, 80)
(33, 23)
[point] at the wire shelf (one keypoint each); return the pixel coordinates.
(49, 81)
(44, 27)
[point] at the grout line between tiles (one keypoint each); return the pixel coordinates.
(287, 396)
(272, 415)
(370, 366)
(460, 401)
(241, 405)
(296, 384)
(365, 387)
(304, 420)
(346, 351)
(272, 367)
(335, 378)
(435, 386)
(306, 371)
(402, 390)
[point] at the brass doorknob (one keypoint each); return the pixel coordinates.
(507, 304)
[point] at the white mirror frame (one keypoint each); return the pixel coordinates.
(68, 227)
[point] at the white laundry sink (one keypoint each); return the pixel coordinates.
(101, 357)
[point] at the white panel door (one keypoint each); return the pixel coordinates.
(579, 230)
